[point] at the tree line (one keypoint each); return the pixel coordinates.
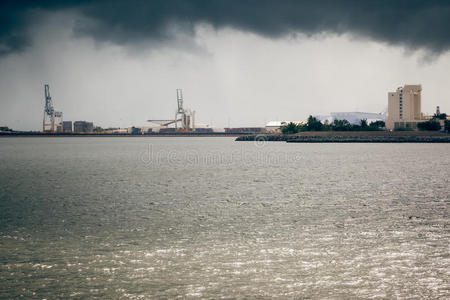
(313, 124)
(434, 123)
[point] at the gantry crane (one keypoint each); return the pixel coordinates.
(49, 113)
(183, 117)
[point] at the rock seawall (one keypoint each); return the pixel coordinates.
(352, 137)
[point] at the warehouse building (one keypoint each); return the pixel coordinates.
(83, 127)
(67, 126)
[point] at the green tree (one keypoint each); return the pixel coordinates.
(429, 125)
(341, 125)
(313, 124)
(363, 124)
(326, 126)
(442, 116)
(290, 128)
(5, 128)
(377, 124)
(447, 126)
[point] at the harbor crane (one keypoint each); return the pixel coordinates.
(51, 117)
(184, 118)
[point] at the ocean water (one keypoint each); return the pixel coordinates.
(205, 217)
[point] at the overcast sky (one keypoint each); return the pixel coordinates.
(239, 63)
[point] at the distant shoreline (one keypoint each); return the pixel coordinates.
(154, 134)
(353, 137)
(303, 137)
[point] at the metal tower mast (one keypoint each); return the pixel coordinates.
(51, 117)
(180, 101)
(181, 113)
(49, 111)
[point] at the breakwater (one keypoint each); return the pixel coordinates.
(352, 137)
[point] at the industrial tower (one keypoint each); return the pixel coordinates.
(51, 117)
(184, 118)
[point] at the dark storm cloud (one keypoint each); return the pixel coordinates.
(417, 24)
(16, 17)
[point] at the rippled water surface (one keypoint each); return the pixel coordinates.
(213, 218)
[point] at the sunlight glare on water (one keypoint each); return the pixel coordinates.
(211, 218)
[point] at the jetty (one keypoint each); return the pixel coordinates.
(352, 137)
